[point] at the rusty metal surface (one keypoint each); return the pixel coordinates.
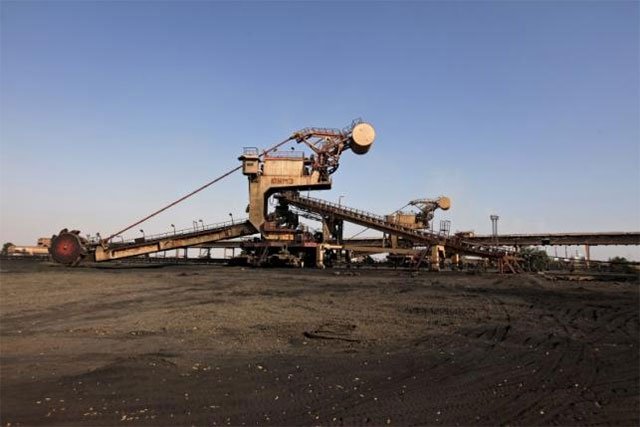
(290, 170)
(328, 144)
(268, 172)
(560, 239)
(379, 250)
(548, 239)
(68, 247)
(174, 241)
(377, 222)
(542, 239)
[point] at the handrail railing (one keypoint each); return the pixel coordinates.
(287, 154)
(375, 218)
(306, 132)
(182, 232)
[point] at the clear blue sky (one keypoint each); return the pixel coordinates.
(526, 109)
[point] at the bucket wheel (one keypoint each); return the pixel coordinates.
(68, 247)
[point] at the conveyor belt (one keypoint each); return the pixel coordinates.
(170, 241)
(562, 239)
(378, 222)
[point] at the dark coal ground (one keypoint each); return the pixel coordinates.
(202, 345)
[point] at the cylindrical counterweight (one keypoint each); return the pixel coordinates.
(444, 203)
(362, 137)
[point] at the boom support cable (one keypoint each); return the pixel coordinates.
(199, 189)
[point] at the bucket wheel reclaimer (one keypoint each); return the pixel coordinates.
(68, 247)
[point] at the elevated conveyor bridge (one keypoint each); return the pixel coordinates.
(170, 241)
(72, 248)
(379, 223)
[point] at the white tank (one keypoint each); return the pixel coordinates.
(362, 137)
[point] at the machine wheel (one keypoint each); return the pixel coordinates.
(68, 247)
